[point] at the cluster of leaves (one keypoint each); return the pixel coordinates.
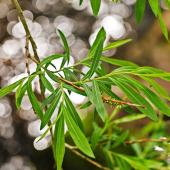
(145, 98)
(126, 76)
(155, 7)
(139, 10)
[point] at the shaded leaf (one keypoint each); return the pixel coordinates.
(73, 112)
(140, 9)
(33, 100)
(77, 135)
(50, 109)
(59, 142)
(95, 53)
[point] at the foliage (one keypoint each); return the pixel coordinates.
(143, 97)
(139, 10)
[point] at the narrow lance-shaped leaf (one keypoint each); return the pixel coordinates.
(96, 52)
(163, 26)
(139, 163)
(21, 90)
(154, 6)
(116, 44)
(98, 101)
(95, 4)
(46, 83)
(157, 87)
(66, 48)
(48, 60)
(20, 94)
(81, 1)
(117, 62)
(49, 99)
(8, 89)
(50, 109)
(77, 135)
(154, 99)
(100, 36)
(140, 9)
(136, 98)
(59, 142)
(34, 101)
(73, 112)
(95, 98)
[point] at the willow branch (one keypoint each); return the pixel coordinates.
(25, 25)
(33, 44)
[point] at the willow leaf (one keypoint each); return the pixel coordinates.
(8, 89)
(59, 142)
(77, 135)
(50, 110)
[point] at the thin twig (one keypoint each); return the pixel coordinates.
(33, 44)
(27, 55)
(72, 149)
(26, 28)
(145, 140)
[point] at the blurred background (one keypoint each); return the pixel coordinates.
(19, 129)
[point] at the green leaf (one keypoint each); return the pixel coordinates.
(33, 100)
(20, 94)
(139, 163)
(77, 135)
(48, 60)
(117, 62)
(154, 4)
(71, 88)
(116, 44)
(85, 105)
(95, 4)
(66, 47)
(140, 9)
(50, 109)
(157, 87)
(59, 142)
(49, 99)
(167, 3)
(53, 76)
(135, 97)
(73, 112)
(129, 118)
(96, 135)
(81, 1)
(108, 91)
(96, 52)
(98, 101)
(120, 140)
(69, 75)
(123, 165)
(95, 98)
(154, 99)
(46, 83)
(163, 26)
(8, 89)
